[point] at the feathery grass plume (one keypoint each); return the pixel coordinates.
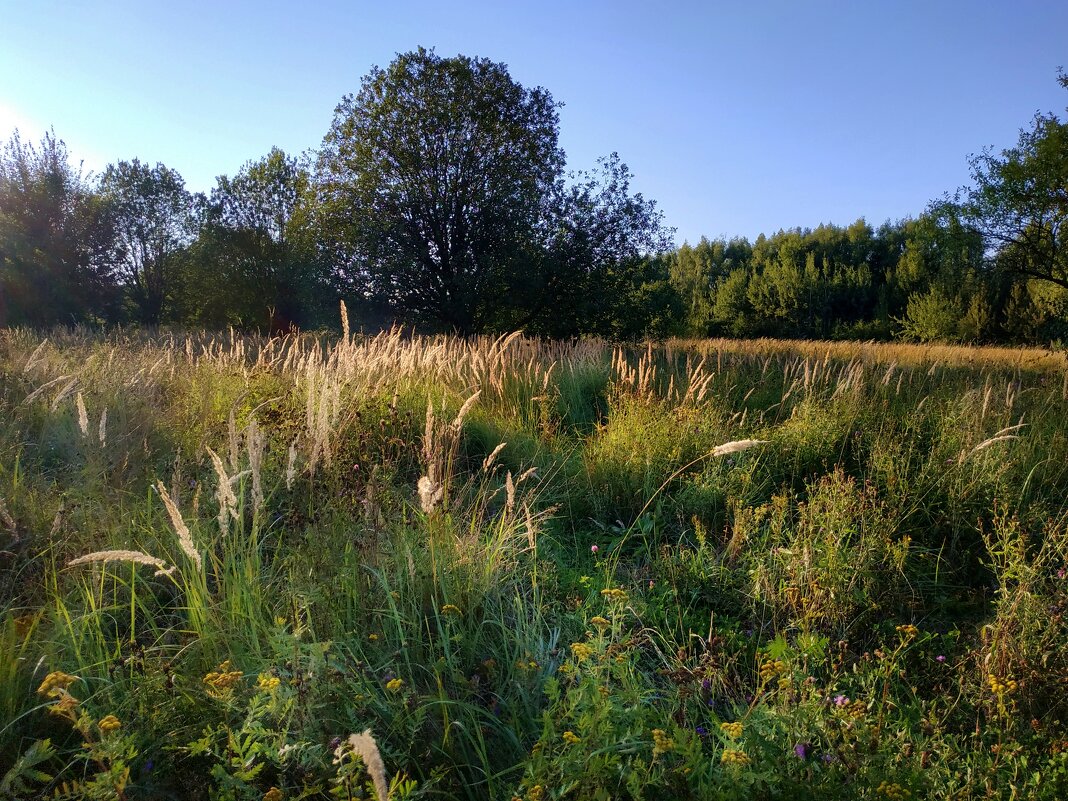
(459, 421)
(32, 361)
(986, 443)
(345, 322)
(63, 393)
(185, 539)
(83, 415)
(737, 446)
(364, 746)
(256, 442)
(430, 494)
(487, 463)
(135, 557)
(33, 395)
(224, 493)
(509, 487)
(233, 440)
(102, 431)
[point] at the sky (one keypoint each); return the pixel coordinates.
(735, 120)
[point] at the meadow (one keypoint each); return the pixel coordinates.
(350, 567)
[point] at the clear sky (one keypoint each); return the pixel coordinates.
(736, 120)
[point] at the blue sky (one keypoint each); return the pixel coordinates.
(736, 121)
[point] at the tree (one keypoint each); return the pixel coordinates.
(594, 273)
(256, 263)
(58, 250)
(1020, 201)
(435, 178)
(155, 218)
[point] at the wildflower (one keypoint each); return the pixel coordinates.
(451, 609)
(65, 706)
(594, 549)
(394, 685)
(940, 658)
(999, 687)
(893, 791)
(701, 731)
(537, 793)
(600, 622)
(585, 581)
(223, 679)
(56, 683)
(801, 750)
(274, 794)
(733, 730)
(772, 668)
(841, 700)
(1062, 573)
(733, 757)
(662, 744)
(279, 621)
(372, 637)
(908, 631)
(268, 683)
(613, 594)
(109, 724)
(581, 651)
(571, 738)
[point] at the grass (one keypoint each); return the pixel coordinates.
(864, 599)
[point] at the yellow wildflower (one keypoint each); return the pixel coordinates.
(999, 686)
(615, 595)
(222, 679)
(394, 685)
(600, 622)
(274, 794)
(55, 683)
(662, 744)
(64, 707)
(734, 757)
(268, 683)
(893, 791)
(772, 668)
(733, 730)
(571, 738)
(581, 651)
(109, 723)
(372, 637)
(908, 631)
(537, 793)
(451, 609)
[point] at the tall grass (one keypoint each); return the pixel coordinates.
(533, 569)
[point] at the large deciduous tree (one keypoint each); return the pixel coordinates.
(57, 245)
(435, 178)
(257, 262)
(1019, 202)
(155, 219)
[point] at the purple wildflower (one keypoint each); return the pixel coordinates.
(841, 700)
(801, 750)
(940, 658)
(701, 731)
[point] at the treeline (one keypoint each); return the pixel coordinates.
(440, 198)
(924, 280)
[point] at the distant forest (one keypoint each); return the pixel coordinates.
(440, 198)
